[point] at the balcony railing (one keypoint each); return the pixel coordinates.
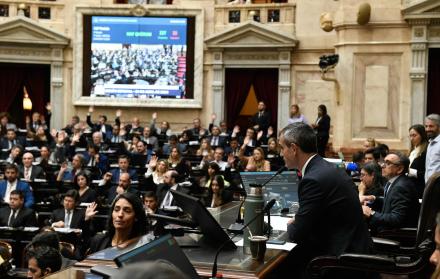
(279, 14)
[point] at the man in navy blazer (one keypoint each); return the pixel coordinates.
(114, 174)
(329, 220)
(11, 183)
(400, 206)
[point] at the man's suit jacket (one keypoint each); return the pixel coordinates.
(18, 140)
(222, 140)
(263, 122)
(400, 206)
(36, 172)
(21, 186)
(162, 190)
(111, 195)
(153, 142)
(116, 173)
(25, 218)
(103, 162)
(330, 220)
(97, 127)
(77, 221)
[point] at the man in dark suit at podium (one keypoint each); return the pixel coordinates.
(15, 215)
(329, 220)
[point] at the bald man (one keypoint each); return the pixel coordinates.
(28, 171)
(123, 186)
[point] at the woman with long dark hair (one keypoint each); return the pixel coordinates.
(82, 182)
(417, 156)
(127, 221)
(217, 195)
(322, 129)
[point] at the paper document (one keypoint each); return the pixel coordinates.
(278, 223)
(286, 246)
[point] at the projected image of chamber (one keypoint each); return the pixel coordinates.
(138, 57)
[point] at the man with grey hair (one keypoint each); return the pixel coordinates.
(399, 207)
(432, 128)
(329, 220)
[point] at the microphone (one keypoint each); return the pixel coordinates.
(237, 227)
(266, 209)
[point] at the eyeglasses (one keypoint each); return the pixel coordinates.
(389, 163)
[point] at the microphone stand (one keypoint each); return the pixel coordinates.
(267, 208)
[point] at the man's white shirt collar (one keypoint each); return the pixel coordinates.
(303, 170)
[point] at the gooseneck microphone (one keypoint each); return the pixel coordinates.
(266, 209)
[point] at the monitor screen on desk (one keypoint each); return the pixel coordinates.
(212, 231)
(164, 248)
(283, 188)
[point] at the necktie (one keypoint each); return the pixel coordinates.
(167, 199)
(26, 173)
(67, 219)
(387, 187)
(12, 218)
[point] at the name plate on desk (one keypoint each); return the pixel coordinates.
(67, 230)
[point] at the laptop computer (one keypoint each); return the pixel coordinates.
(163, 248)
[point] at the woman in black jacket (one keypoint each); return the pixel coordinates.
(417, 156)
(322, 129)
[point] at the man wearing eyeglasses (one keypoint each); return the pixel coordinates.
(399, 207)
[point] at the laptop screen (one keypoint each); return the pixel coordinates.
(163, 248)
(283, 188)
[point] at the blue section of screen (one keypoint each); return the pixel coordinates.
(139, 30)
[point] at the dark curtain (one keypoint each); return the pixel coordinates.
(238, 83)
(433, 102)
(10, 86)
(13, 77)
(266, 89)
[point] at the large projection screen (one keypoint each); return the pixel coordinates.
(148, 61)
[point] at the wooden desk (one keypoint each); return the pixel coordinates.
(232, 264)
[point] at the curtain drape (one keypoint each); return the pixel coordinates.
(236, 90)
(433, 104)
(265, 83)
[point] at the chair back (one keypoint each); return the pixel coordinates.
(429, 209)
(67, 249)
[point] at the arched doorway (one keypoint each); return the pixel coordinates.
(13, 79)
(244, 88)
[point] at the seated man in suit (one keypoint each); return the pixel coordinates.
(216, 139)
(151, 206)
(164, 196)
(68, 216)
(101, 125)
(11, 139)
(11, 183)
(28, 171)
(113, 175)
(329, 220)
(95, 159)
(400, 206)
(15, 215)
(123, 186)
(77, 165)
(150, 139)
(15, 155)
